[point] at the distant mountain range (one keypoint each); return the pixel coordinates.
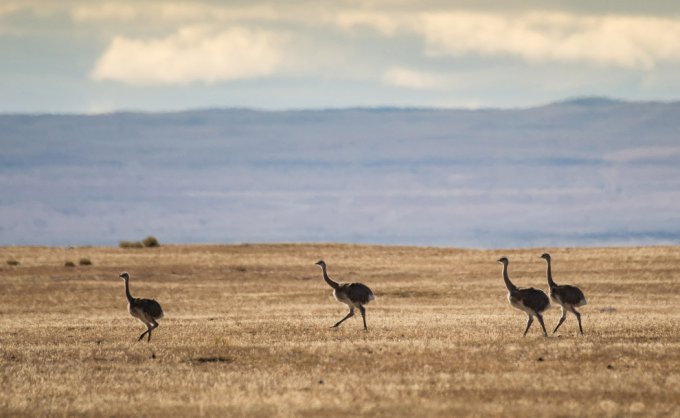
(588, 171)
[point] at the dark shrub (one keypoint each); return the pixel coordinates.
(69, 264)
(12, 262)
(151, 241)
(130, 244)
(85, 261)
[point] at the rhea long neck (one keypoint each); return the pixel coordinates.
(548, 273)
(511, 287)
(328, 280)
(127, 291)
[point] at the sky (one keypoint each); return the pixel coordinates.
(94, 57)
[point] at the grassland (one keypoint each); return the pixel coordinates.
(246, 333)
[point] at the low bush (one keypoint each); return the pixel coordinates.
(69, 264)
(151, 241)
(148, 242)
(85, 261)
(12, 262)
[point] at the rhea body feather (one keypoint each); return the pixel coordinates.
(568, 295)
(529, 300)
(353, 294)
(146, 310)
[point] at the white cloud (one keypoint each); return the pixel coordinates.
(193, 54)
(635, 42)
(386, 24)
(6, 9)
(629, 42)
(104, 11)
(170, 12)
(38, 8)
(404, 77)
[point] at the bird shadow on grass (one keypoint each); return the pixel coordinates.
(215, 359)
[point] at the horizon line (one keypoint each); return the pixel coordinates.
(585, 100)
(347, 243)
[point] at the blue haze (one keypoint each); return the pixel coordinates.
(581, 172)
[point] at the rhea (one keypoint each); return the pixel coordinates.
(146, 310)
(354, 295)
(529, 300)
(568, 297)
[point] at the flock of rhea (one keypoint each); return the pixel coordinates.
(355, 295)
(534, 302)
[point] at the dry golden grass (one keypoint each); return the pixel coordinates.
(246, 333)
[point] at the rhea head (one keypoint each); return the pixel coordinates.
(321, 263)
(124, 275)
(503, 260)
(546, 257)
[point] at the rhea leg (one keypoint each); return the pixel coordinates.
(349, 315)
(154, 325)
(540, 321)
(531, 321)
(148, 330)
(363, 316)
(564, 316)
(578, 316)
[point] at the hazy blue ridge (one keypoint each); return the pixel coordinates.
(587, 171)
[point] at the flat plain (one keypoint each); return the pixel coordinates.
(247, 333)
